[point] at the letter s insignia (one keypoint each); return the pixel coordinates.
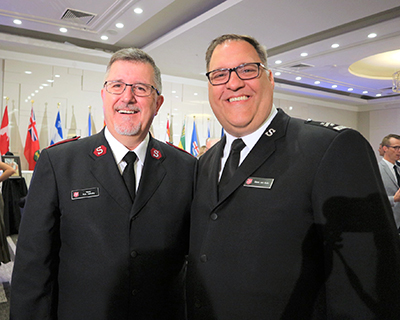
(270, 132)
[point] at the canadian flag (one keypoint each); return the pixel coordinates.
(4, 136)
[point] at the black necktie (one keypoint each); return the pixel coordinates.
(397, 175)
(232, 162)
(129, 174)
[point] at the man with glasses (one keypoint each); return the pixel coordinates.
(290, 219)
(105, 228)
(390, 172)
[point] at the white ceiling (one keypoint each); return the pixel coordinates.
(177, 32)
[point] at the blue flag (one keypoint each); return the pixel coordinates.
(90, 124)
(208, 129)
(57, 131)
(222, 132)
(194, 146)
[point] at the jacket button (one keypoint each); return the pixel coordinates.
(134, 292)
(214, 216)
(203, 258)
(134, 254)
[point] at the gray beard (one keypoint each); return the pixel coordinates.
(128, 131)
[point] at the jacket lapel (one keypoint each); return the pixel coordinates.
(105, 171)
(152, 175)
(263, 149)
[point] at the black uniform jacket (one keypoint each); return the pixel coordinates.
(85, 253)
(303, 231)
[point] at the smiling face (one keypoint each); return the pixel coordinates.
(241, 106)
(126, 116)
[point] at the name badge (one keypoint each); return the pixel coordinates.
(254, 182)
(85, 193)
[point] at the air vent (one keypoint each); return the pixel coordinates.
(78, 16)
(302, 66)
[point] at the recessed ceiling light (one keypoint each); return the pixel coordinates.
(173, 91)
(17, 21)
(304, 54)
(29, 97)
(195, 93)
(50, 80)
(350, 89)
(290, 108)
(372, 35)
(317, 82)
(378, 95)
(278, 61)
(119, 25)
(138, 10)
(63, 30)
(32, 94)
(298, 78)
(104, 38)
(278, 73)
(335, 45)
(365, 92)
(41, 87)
(36, 91)
(57, 75)
(334, 86)
(45, 84)
(28, 72)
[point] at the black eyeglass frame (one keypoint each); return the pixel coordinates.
(259, 64)
(131, 85)
(397, 148)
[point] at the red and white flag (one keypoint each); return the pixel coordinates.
(4, 135)
(32, 148)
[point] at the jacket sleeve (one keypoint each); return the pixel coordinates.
(34, 280)
(361, 243)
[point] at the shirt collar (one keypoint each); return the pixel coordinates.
(251, 139)
(119, 150)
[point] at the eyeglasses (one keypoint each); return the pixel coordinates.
(245, 71)
(138, 89)
(397, 148)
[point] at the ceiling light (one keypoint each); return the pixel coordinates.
(103, 37)
(350, 89)
(378, 95)
(372, 35)
(41, 87)
(45, 84)
(173, 91)
(365, 92)
(317, 82)
(335, 45)
(32, 94)
(50, 80)
(63, 30)
(138, 10)
(304, 54)
(28, 72)
(195, 93)
(57, 75)
(334, 86)
(278, 61)
(298, 78)
(36, 91)
(277, 73)
(119, 25)
(17, 21)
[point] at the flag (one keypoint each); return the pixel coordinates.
(32, 148)
(182, 142)
(4, 135)
(208, 129)
(168, 133)
(222, 132)
(194, 146)
(57, 134)
(90, 124)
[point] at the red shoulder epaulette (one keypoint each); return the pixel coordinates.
(64, 141)
(172, 145)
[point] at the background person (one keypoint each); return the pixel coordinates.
(92, 246)
(302, 229)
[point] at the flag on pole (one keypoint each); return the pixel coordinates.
(208, 128)
(222, 132)
(90, 123)
(168, 133)
(182, 141)
(32, 148)
(57, 130)
(194, 146)
(4, 135)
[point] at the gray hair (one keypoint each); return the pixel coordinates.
(261, 51)
(136, 55)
